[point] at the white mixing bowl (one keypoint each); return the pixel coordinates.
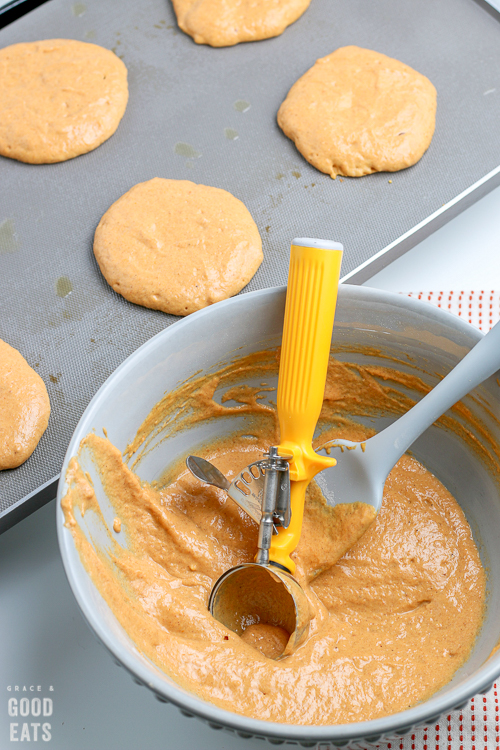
(396, 326)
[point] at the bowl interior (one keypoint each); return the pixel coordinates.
(370, 326)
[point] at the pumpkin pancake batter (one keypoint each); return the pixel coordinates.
(396, 604)
(24, 408)
(357, 111)
(59, 98)
(175, 246)
(223, 23)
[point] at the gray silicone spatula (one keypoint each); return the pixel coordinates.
(362, 469)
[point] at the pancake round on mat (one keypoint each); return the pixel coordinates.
(357, 111)
(24, 408)
(223, 23)
(59, 98)
(176, 246)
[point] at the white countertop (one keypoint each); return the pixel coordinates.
(462, 255)
(44, 640)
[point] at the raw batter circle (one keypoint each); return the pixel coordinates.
(59, 98)
(24, 408)
(357, 111)
(176, 246)
(223, 23)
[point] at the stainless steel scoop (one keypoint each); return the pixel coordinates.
(261, 593)
(265, 592)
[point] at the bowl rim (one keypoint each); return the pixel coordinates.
(422, 714)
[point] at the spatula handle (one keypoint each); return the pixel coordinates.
(480, 363)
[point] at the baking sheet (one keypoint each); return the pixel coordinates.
(182, 93)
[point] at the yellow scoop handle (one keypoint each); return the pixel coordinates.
(311, 297)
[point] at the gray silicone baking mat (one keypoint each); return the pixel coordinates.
(209, 115)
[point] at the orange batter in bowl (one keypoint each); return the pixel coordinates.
(397, 603)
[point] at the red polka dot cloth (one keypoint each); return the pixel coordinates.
(481, 309)
(476, 727)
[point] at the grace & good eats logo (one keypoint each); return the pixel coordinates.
(29, 709)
